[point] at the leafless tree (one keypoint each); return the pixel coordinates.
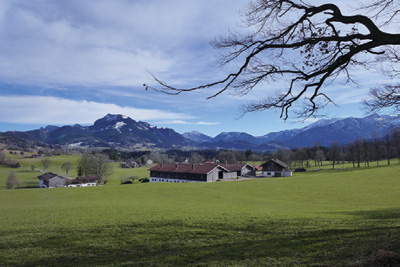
(45, 163)
(67, 166)
(299, 49)
(376, 147)
(388, 146)
(396, 142)
(286, 155)
(385, 97)
(300, 156)
(196, 158)
(319, 157)
(95, 164)
(334, 153)
(366, 152)
(226, 157)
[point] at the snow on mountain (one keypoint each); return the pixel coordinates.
(119, 125)
(196, 137)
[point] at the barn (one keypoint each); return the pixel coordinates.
(275, 168)
(52, 180)
(186, 173)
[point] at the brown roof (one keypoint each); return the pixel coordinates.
(185, 168)
(280, 163)
(87, 179)
(47, 176)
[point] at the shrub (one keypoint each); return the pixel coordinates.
(127, 180)
(12, 181)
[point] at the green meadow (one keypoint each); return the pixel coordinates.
(332, 218)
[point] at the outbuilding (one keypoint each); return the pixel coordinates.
(275, 168)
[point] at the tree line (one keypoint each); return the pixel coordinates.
(359, 153)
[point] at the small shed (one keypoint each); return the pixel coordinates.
(275, 168)
(236, 170)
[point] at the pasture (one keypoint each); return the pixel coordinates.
(335, 218)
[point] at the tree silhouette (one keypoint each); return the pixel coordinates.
(301, 49)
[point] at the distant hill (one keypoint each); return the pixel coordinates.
(196, 137)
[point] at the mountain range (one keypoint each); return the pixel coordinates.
(119, 131)
(116, 131)
(342, 131)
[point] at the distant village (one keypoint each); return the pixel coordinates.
(180, 172)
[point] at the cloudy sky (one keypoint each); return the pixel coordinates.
(67, 62)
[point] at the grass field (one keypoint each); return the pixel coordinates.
(335, 218)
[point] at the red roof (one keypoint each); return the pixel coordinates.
(258, 167)
(185, 168)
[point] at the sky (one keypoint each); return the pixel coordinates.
(72, 62)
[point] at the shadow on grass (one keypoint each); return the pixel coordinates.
(206, 243)
(393, 213)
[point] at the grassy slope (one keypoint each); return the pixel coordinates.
(320, 219)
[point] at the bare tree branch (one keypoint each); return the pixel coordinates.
(303, 45)
(387, 96)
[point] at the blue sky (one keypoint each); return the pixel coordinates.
(67, 62)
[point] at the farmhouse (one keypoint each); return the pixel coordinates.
(184, 173)
(275, 168)
(52, 180)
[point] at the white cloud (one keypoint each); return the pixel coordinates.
(207, 123)
(174, 122)
(108, 42)
(182, 122)
(52, 110)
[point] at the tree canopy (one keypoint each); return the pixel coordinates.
(300, 49)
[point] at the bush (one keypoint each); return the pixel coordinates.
(12, 181)
(11, 163)
(127, 180)
(144, 180)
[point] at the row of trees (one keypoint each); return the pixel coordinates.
(200, 156)
(360, 152)
(89, 164)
